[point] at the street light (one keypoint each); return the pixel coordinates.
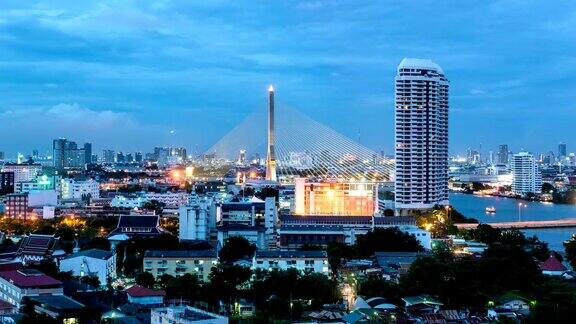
(448, 210)
(520, 206)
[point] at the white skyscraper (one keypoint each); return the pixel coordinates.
(421, 135)
(527, 177)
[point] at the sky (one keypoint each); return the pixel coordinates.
(130, 75)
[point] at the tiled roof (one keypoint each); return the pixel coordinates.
(29, 278)
(139, 291)
(138, 225)
(138, 221)
(552, 264)
(37, 244)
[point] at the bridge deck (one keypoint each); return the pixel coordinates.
(568, 222)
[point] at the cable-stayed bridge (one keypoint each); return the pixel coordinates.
(304, 147)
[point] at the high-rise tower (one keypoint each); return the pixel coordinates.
(271, 155)
(421, 123)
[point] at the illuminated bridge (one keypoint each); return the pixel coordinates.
(304, 147)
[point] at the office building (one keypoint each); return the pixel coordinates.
(16, 205)
(527, 176)
(79, 189)
(6, 182)
(41, 182)
(335, 198)
(119, 157)
(138, 157)
(503, 153)
(421, 129)
(196, 219)
(67, 154)
(23, 172)
(562, 151)
(161, 155)
(108, 156)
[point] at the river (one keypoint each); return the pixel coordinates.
(507, 210)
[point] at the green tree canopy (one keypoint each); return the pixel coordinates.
(236, 248)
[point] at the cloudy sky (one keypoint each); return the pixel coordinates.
(124, 74)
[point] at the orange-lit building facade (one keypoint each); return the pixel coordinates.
(335, 198)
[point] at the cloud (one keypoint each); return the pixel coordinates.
(105, 128)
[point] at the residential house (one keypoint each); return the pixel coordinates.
(145, 296)
(552, 267)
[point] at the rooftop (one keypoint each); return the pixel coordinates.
(29, 278)
(58, 302)
(139, 291)
(552, 264)
(181, 254)
(291, 254)
(93, 253)
(416, 63)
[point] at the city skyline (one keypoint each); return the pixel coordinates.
(174, 77)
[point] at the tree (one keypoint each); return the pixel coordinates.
(225, 283)
(236, 248)
(388, 212)
(91, 280)
(145, 279)
(187, 287)
(486, 234)
(548, 188)
(570, 249)
(99, 243)
(267, 192)
(154, 205)
(386, 240)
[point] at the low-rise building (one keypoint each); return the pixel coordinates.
(23, 172)
(97, 263)
(58, 307)
(170, 199)
(177, 263)
(79, 189)
(185, 315)
(321, 230)
(17, 284)
(127, 202)
(144, 296)
(305, 261)
(400, 262)
(552, 267)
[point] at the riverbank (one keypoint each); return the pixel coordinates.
(507, 210)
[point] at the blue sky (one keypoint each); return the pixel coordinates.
(123, 74)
